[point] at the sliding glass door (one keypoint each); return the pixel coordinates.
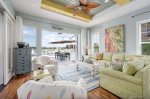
(56, 41)
(1, 49)
(8, 40)
(29, 36)
(44, 41)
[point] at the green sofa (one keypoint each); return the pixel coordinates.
(126, 86)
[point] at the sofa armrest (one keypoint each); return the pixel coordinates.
(146, 86)
(120, 75)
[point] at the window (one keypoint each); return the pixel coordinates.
(145, 38)
(29, 35)
(95, 40)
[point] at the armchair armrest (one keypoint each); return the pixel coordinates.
(120, 75)
(53, 62)
(34, 90)
(37, 65)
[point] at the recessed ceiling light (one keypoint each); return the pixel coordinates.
(106, 0)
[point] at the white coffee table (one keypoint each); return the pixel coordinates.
(37, 75)
(91, 66)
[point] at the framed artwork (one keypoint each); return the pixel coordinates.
(114, 39)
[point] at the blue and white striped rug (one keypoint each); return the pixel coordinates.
(70, 73)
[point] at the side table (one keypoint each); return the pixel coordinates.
(37, 75)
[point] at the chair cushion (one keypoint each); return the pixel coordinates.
(107, 56)
(132, 67)
(50, 66)
(119, 57)
(63, 82)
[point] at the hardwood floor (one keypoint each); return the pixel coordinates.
(10, 91)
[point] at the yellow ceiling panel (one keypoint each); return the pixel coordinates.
(122, 2)
(55, 7)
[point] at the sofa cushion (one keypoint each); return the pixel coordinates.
(141, 72)
(119, 57)
(107, 56)
(103, 63)
(132, 67)
(117, 74)
(129, 57)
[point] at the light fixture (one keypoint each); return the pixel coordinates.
(106, 1)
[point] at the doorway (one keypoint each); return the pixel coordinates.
(1, 50)
(59, 45)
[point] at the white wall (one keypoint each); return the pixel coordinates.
(10, 7)
(130, 29)
(6, 4)
(1, 58)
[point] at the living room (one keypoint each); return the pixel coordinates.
(74, 49)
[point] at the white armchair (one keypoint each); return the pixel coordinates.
(55, 90)
(45, 62)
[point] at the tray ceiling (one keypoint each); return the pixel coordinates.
(104, 5)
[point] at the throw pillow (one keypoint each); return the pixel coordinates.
(132, 67)
(117, 65)
(99, 56)
(129, 58)
(119, 57)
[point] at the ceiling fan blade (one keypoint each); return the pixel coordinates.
(86, 10)
(84, 2)
(71, 6)
(92, 5)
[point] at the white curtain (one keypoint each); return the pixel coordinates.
(1, 49)
(18, 30)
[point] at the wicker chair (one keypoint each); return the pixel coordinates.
(44, 62)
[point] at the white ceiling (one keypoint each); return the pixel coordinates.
(32, 7)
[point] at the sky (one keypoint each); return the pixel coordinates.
(29, 36)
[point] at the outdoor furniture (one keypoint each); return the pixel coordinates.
(62, 55)
(45, 62)
(57, 54)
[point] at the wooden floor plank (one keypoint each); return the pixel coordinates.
(10, 91)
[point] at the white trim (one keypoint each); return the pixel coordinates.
(7, 10)
(138, 41)
(8, 73)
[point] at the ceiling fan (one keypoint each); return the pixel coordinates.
(85, 6)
